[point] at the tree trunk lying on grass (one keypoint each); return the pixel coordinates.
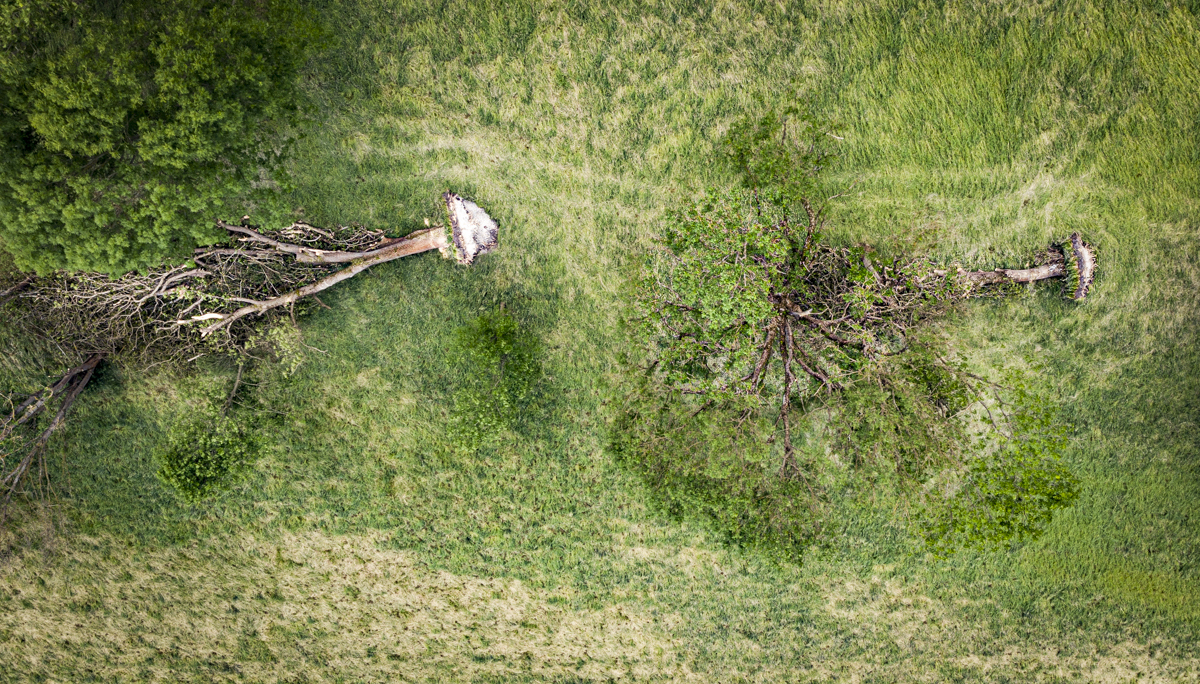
(472, 232)
(174, 313)
(423, 241)
(1082, 263)
(186, 311)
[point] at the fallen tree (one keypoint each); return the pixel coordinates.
(207, 306)
(471, 233)
(753, 331)
(738, 282)
(756, 337)
(174, 313)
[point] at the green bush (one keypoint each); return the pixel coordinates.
(202, 455)
(127, 128)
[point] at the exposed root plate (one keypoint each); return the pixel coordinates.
(1085, 266)
(472, 230)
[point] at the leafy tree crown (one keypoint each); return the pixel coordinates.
(127, 127)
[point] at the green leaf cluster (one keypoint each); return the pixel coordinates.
(202, 454)
(127, 127)
(707, 289)
(1008, 491)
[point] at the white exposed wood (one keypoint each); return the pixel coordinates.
(474, 231)
(1085, 261)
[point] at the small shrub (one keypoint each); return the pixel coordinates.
(202, 455)
(779, 150)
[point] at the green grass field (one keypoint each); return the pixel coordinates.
(361, 548)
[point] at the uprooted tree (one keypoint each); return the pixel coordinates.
(214, 304)
(756, 334)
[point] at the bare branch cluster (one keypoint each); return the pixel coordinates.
(182, 312)
(167, 315)
(170, 314)
(23, 440)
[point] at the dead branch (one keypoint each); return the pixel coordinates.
(35, 403)
(12, 291)
(32, 450)
(434, 238)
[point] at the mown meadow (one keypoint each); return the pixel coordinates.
(363, 546)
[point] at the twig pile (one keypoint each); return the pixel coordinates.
(151, 318)
(160, 316)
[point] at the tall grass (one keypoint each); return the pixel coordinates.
(362, 548)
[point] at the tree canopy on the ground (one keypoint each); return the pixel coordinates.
(754, 326)
(127, 127)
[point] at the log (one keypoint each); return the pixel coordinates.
(1054, 269)
(1078, 262)
(434, 238)
(472, 232)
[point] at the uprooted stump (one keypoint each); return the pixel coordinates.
(1073, 259)
(472, 231)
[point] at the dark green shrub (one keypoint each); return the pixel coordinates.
(202, 455)
(126, 128)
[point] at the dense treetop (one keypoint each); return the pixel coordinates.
(128, 126)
